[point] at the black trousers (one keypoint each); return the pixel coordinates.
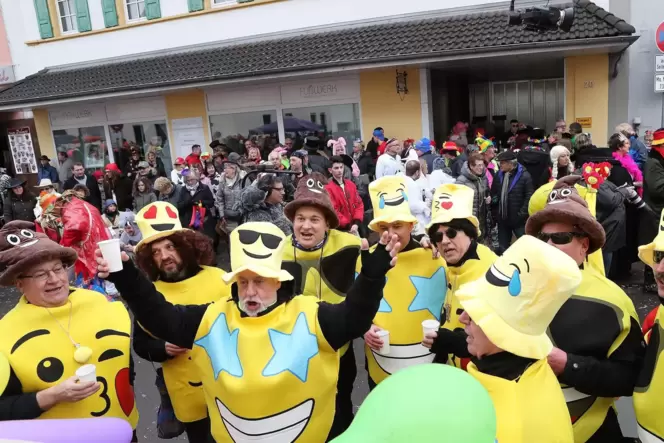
(344, 404)
(199, 431)
(610, 430)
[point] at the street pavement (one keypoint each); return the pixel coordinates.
(147, 398)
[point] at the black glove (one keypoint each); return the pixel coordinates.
(376, 264)
(451, 342)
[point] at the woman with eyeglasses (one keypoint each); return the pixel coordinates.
(599, 347)
(454, 234)
(54, 332)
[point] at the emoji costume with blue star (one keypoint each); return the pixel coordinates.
(415, 289)
(269, 376)
(513, 304)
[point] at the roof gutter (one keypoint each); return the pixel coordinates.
(339, 67)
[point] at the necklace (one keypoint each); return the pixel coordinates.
(82, 353)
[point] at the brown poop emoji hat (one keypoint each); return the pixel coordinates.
(21, 248)
(311, 192)
(565, 205)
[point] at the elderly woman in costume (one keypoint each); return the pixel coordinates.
(53, 331)
(322, 260)
(267, 358)
(506, 315)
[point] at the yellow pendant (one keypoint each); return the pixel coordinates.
(82, 354)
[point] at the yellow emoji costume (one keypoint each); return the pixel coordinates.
(597, 327)
(649, 390)
(184, 387)
(42, 346)
(415, 289)
(513, 305)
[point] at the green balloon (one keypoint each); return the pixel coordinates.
(425, 403)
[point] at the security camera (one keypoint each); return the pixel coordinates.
(542, 19)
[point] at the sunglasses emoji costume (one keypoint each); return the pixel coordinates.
(598, 324)
(45, 346)
(513, 304)
(160, 221)
(415, 290)
(649, 390)
(271, 376)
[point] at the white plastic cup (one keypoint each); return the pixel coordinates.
(430, 326)
(385, 336)
(110, 250)
(87, 373)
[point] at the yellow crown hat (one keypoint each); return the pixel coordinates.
(389, 197)
(516, 300)
(257, 247)
(646, 252)
(451, 202)
(157, 220)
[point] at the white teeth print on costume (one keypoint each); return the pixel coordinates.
(284, 427)
(403, 356)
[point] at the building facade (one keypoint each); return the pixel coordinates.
(98, 75)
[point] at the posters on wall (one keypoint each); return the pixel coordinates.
(23, 151)
(186, 133)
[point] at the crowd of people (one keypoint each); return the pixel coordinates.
(495, 254)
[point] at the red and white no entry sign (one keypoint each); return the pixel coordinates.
(659, 37)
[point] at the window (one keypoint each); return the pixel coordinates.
(333, 121)
(135, 10)
(223, 2)
(67, 13)
(236, 128)
(149, 136)
(85, 145)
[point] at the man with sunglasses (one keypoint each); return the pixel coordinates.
(599, 347)
(454, 233)
(649, 390)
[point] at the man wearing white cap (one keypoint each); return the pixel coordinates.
(267, 358)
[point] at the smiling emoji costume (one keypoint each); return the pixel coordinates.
(649, 390)
(271, 377)
(45, 346)
(415, 289)
(159, 221)
(513, 304)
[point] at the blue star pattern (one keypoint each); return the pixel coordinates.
(430, 294)
(384, 305)
(293, 351)
(221, 347)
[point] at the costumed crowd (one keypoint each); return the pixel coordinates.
(480, 276)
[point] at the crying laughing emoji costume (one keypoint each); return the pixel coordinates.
(269, 376)
(415, 290)
(45, 341)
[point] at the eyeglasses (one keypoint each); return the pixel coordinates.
(560, 238)
(451, 233)
(42, 276)
(657, 256)
(279, 189)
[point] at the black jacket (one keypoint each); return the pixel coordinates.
(187, 201)
(122, 188)
(366, 164)
(520, 191)
(93, 187)
(19, 208)
(538, 164)
(372, 148)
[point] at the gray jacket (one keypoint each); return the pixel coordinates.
(227, 196)
(481, 188)
(252, 207)
(142, 200)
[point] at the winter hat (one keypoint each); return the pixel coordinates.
(390, 201)
(557, 151)
(234, 158)
(143, 165)
(179, 161)
(161, 184)
(423, 145)
(379, 134)
(658, 137)
(97, 174)
(108, 203)
(112, 167)
(311, 192)
(566, 205)
(300, 153)
(518, 297)
(21, 248)
(450, 147)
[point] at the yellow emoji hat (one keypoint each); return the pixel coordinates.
(257, 247)
(516, 300)
(389, 198)
(647, 252)
(157, 220)
(452, 202)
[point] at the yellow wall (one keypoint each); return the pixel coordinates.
(188, 104)
(382, 106)
(44, 134)
(587, 94)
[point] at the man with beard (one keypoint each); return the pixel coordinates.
(81, 178)
(322, 262)
(649, 390)
(598, 344)
(178, 262)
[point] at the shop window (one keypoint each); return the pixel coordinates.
(334, 121)
(85, 145)
(67, 16)
(220, 3)
(236, 128)
(135, 10)
(151, 136)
